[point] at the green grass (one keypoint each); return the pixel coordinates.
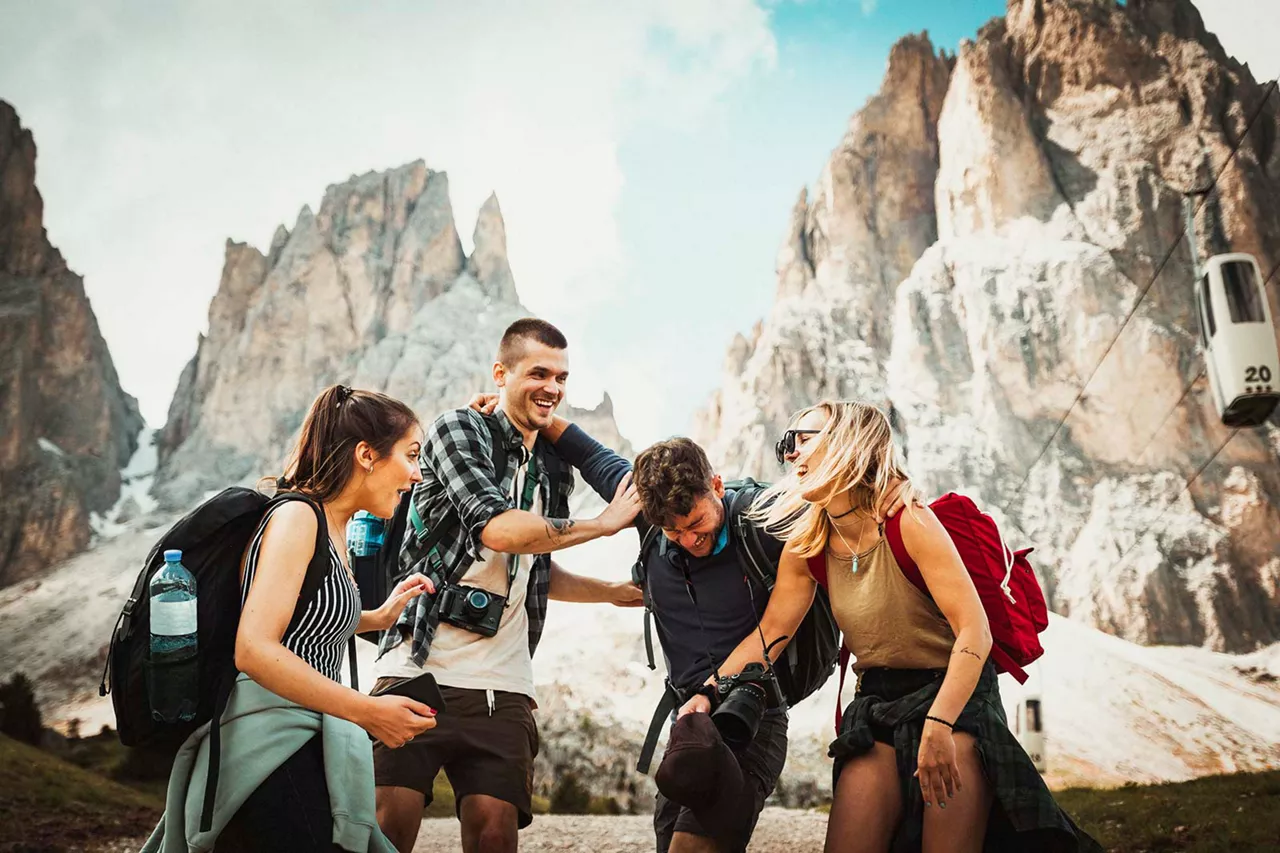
(1216, 814)
(47, 803)
(1236, 813)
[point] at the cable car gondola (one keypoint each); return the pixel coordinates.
(1236, 332)
(1239, 340)
(1028, 728)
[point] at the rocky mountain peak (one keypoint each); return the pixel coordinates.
(488, 262)
(968, 260)
(373, 290)
(24, 250)
(66, 426)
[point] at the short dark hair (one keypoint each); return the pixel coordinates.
(511, 348)
(670, 477)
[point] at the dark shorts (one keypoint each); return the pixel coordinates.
(288, 812)
(761, 763)
(480, 752)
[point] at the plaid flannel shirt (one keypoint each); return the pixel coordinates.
(1032, 818)
(461, 488)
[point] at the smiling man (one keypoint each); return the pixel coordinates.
(492, 506)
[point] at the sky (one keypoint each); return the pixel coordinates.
(646, 155)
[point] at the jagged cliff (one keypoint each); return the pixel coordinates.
(66, 426)
(1030, 206)
(373, 290)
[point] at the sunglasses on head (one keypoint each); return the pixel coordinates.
(787, 444)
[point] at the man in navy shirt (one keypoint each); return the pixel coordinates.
(686, 500)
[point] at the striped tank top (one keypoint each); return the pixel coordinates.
(320, 636)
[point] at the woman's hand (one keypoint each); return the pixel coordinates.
(936, 766)
(396, 720)
(485, 403)
(407, 590)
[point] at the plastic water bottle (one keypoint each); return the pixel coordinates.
(174, 684)
(365, 534)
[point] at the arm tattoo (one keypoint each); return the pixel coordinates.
(557, 527)
(967, 651)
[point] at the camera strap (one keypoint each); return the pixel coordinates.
(680, 560)
(527, 496)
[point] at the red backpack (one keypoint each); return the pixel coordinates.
(1006, 583)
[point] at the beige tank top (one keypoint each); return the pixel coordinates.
(886, 620)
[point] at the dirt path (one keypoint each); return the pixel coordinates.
(779, 831)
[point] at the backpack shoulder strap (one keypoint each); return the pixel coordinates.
(640, 577)
(651, 541)
(497, 444)
(748, 538)
(318, 568)
(818, 568)
(893, 532)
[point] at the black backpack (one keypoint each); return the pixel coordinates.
(213, 539)
(813, 652)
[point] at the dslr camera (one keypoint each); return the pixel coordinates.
(743, 699)
(472, 609)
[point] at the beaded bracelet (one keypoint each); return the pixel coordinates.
(939, 720)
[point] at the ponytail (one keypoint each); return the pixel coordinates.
(322, 461)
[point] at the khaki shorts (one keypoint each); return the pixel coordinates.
(480, 752)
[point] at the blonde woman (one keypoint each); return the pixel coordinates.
(924, 759)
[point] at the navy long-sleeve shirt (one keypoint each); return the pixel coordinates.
(724, 600)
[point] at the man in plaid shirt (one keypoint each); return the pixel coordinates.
(486, 536)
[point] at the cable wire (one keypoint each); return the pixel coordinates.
(1138, 302)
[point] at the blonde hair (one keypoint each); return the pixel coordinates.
(858, 456)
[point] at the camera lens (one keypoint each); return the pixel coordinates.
(477, 602)
(738, 717)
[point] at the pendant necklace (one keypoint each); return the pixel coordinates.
(853, 568)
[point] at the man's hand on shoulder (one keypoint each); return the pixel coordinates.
(896, 498)
(486, 403)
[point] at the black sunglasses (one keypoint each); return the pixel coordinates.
(787, 444)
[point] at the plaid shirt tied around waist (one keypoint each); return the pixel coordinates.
(461, 489)
(1025, 816)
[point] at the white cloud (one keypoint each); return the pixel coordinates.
(163, 129)
(869, 6)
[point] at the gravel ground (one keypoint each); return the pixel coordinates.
(779, 831)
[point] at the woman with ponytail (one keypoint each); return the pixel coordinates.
(357, 450)
(924, 759)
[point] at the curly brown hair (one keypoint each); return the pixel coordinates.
(670, 477)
